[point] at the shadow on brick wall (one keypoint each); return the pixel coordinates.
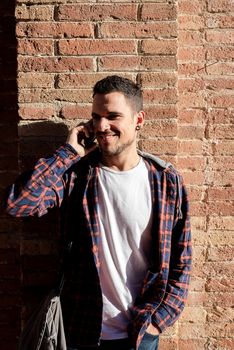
(29, 247)
(10, 302)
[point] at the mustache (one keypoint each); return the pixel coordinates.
(106, 133)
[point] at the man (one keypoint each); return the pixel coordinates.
(127, 214)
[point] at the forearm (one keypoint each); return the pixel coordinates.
(44, 188)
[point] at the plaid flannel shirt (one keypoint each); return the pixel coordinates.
(70, 182)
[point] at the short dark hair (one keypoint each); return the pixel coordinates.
(115, 83)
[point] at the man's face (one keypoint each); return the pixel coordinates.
(114, 123)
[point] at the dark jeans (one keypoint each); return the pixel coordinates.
(149, 342)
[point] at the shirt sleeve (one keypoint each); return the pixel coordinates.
(44, 187)
(179, 271)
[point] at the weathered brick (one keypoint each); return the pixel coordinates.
(190, 85)
(35, 47)
(220, 36)
(220, 21)
(55, 64)
(191, 22)
(159, 47)
(76, 111)
(191, 7)
(160, 112)
(54, 30)
(97, 12)
(157, 11)
(159, 147)
(138, 30)
(160, 96)
(97, 47)
(220, 6)
(195, 54)
(29, 80)
(224, 253)
(157, 79)
(36, 112)
(133, 63)
(159, 128)
(34, 12)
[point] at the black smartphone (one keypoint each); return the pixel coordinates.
(85, 141)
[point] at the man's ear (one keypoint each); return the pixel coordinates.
(140, 119)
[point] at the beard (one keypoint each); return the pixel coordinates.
(116, 149)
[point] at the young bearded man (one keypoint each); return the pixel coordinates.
(127, 214)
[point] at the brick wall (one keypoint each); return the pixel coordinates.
(182, 54)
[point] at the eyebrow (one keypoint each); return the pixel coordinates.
(110, 114)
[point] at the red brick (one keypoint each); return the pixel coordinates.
(219, 53)
(190, 38)
(51, 95)
(224, 147)
(160, 96)
(159, 47)
(160, 112)
(192, 344)
(96, 47)
(33, 112)
(190, 22)
(223, 178)
(220, 298)
(133, 63)
(98, 12)
(220, 68)
(138, 30)
(192, 116)
(158, 11)
(220, 284)
(221, 238)
(191, 147)
(191, 162)
(218, 83)
(159, 128)
(188, 6)
(220, 253)
(220, 208)
(79, 80)
(221, 132)
(168, 344)
(219, 100)
(157, 79)
(191, 54)
(219, 36)
(220, 193)
(54, 30)
(220, 21)
(190, 84)
(76, 111)
(31, 80)
(220, 116)
(221, 223)
(34, 12)
(55, 64)
(191, 132)
(220, 6)
(196, 100)
(159, 147)
(194, 178)
(35, 47)
(190, 68)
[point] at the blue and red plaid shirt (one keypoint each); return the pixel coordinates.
(70, 182)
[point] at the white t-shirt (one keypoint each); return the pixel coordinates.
(125, 219)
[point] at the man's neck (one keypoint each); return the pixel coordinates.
(121, 162)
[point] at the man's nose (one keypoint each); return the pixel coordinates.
(102, 124)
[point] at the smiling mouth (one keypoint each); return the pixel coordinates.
(106, 136)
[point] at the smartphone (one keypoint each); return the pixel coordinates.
(85, 141)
